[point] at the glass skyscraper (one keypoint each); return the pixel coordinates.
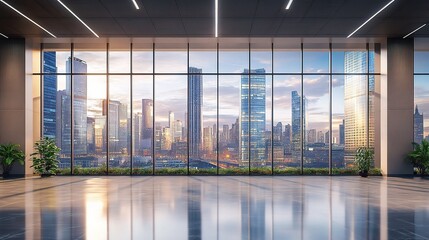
(195, 102)
(357, 94)
(80, 113)
(297, 123)
(253, 113)
(49, 94)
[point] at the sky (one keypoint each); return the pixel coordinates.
(171, 90)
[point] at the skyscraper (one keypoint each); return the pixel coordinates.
(147, 118)
(297, 121)
(253, 118)
(63, 119)
(341, 130)
(356, 109)
(49, 94)
(195, 102)
(79, 104)
(418, 126)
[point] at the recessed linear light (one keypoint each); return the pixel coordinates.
(68, 9)
(414, 30)
(1, 34)
(29, 19)
(288, 4)
(370, 18)
(136, 5)
(216, 16)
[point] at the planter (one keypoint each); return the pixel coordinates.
(46, 175)
(363, 173)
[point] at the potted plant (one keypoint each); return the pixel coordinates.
(419, 157)
(363, 159)
(45, 160)
(9, 154)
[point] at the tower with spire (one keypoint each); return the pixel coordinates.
(418, 126)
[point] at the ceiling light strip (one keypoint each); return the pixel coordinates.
(77, 18)
(216, 17)
(414, 30)
(351, 34)
(136, 5)
(288, 4)
(29, 19)
(1, 34)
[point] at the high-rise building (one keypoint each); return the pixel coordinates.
(208, 140)
(287, 139)
(137, 131)
(178, 128)
(320, 137)
(297, 122)
(147, 118)
(49, 94)
(311, 136)
(225, 133)
(252, 119)
(118, 126)
(356, 98)
(418, 126)
(195, 102)
(63, 118)
(341, 130)
(80, 112)
(90, 135)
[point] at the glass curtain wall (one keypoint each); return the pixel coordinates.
(421, 90)
(208, 107)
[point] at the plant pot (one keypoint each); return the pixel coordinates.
(46, 175)
(363, 173)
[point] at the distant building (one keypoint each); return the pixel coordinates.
(418, 126)
(341, 130)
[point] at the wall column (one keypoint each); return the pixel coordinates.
(397, 100)
(16, 99)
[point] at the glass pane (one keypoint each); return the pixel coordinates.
(119, 58)
(259, 115)
(233, 57)
(55, 57)
(231, 147)
(316, 124)
(421, 102)
(338, 122)
(421, 61)
(89, 93)
(287, 57)
(142, 58)
(316, 58)
(119, 125)
(171, 58)
(93, 55)
(142, 124)
(171, 148)
(356, 115)
(286, 129)
(349, 58)
(202, 108)
(261, 56)
(203, 56)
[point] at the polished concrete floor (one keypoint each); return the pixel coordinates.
(223, 207)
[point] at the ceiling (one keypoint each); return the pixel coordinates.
(195, 18)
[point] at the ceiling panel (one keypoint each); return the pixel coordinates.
(195, 18)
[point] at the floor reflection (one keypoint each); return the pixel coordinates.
(214, 208)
